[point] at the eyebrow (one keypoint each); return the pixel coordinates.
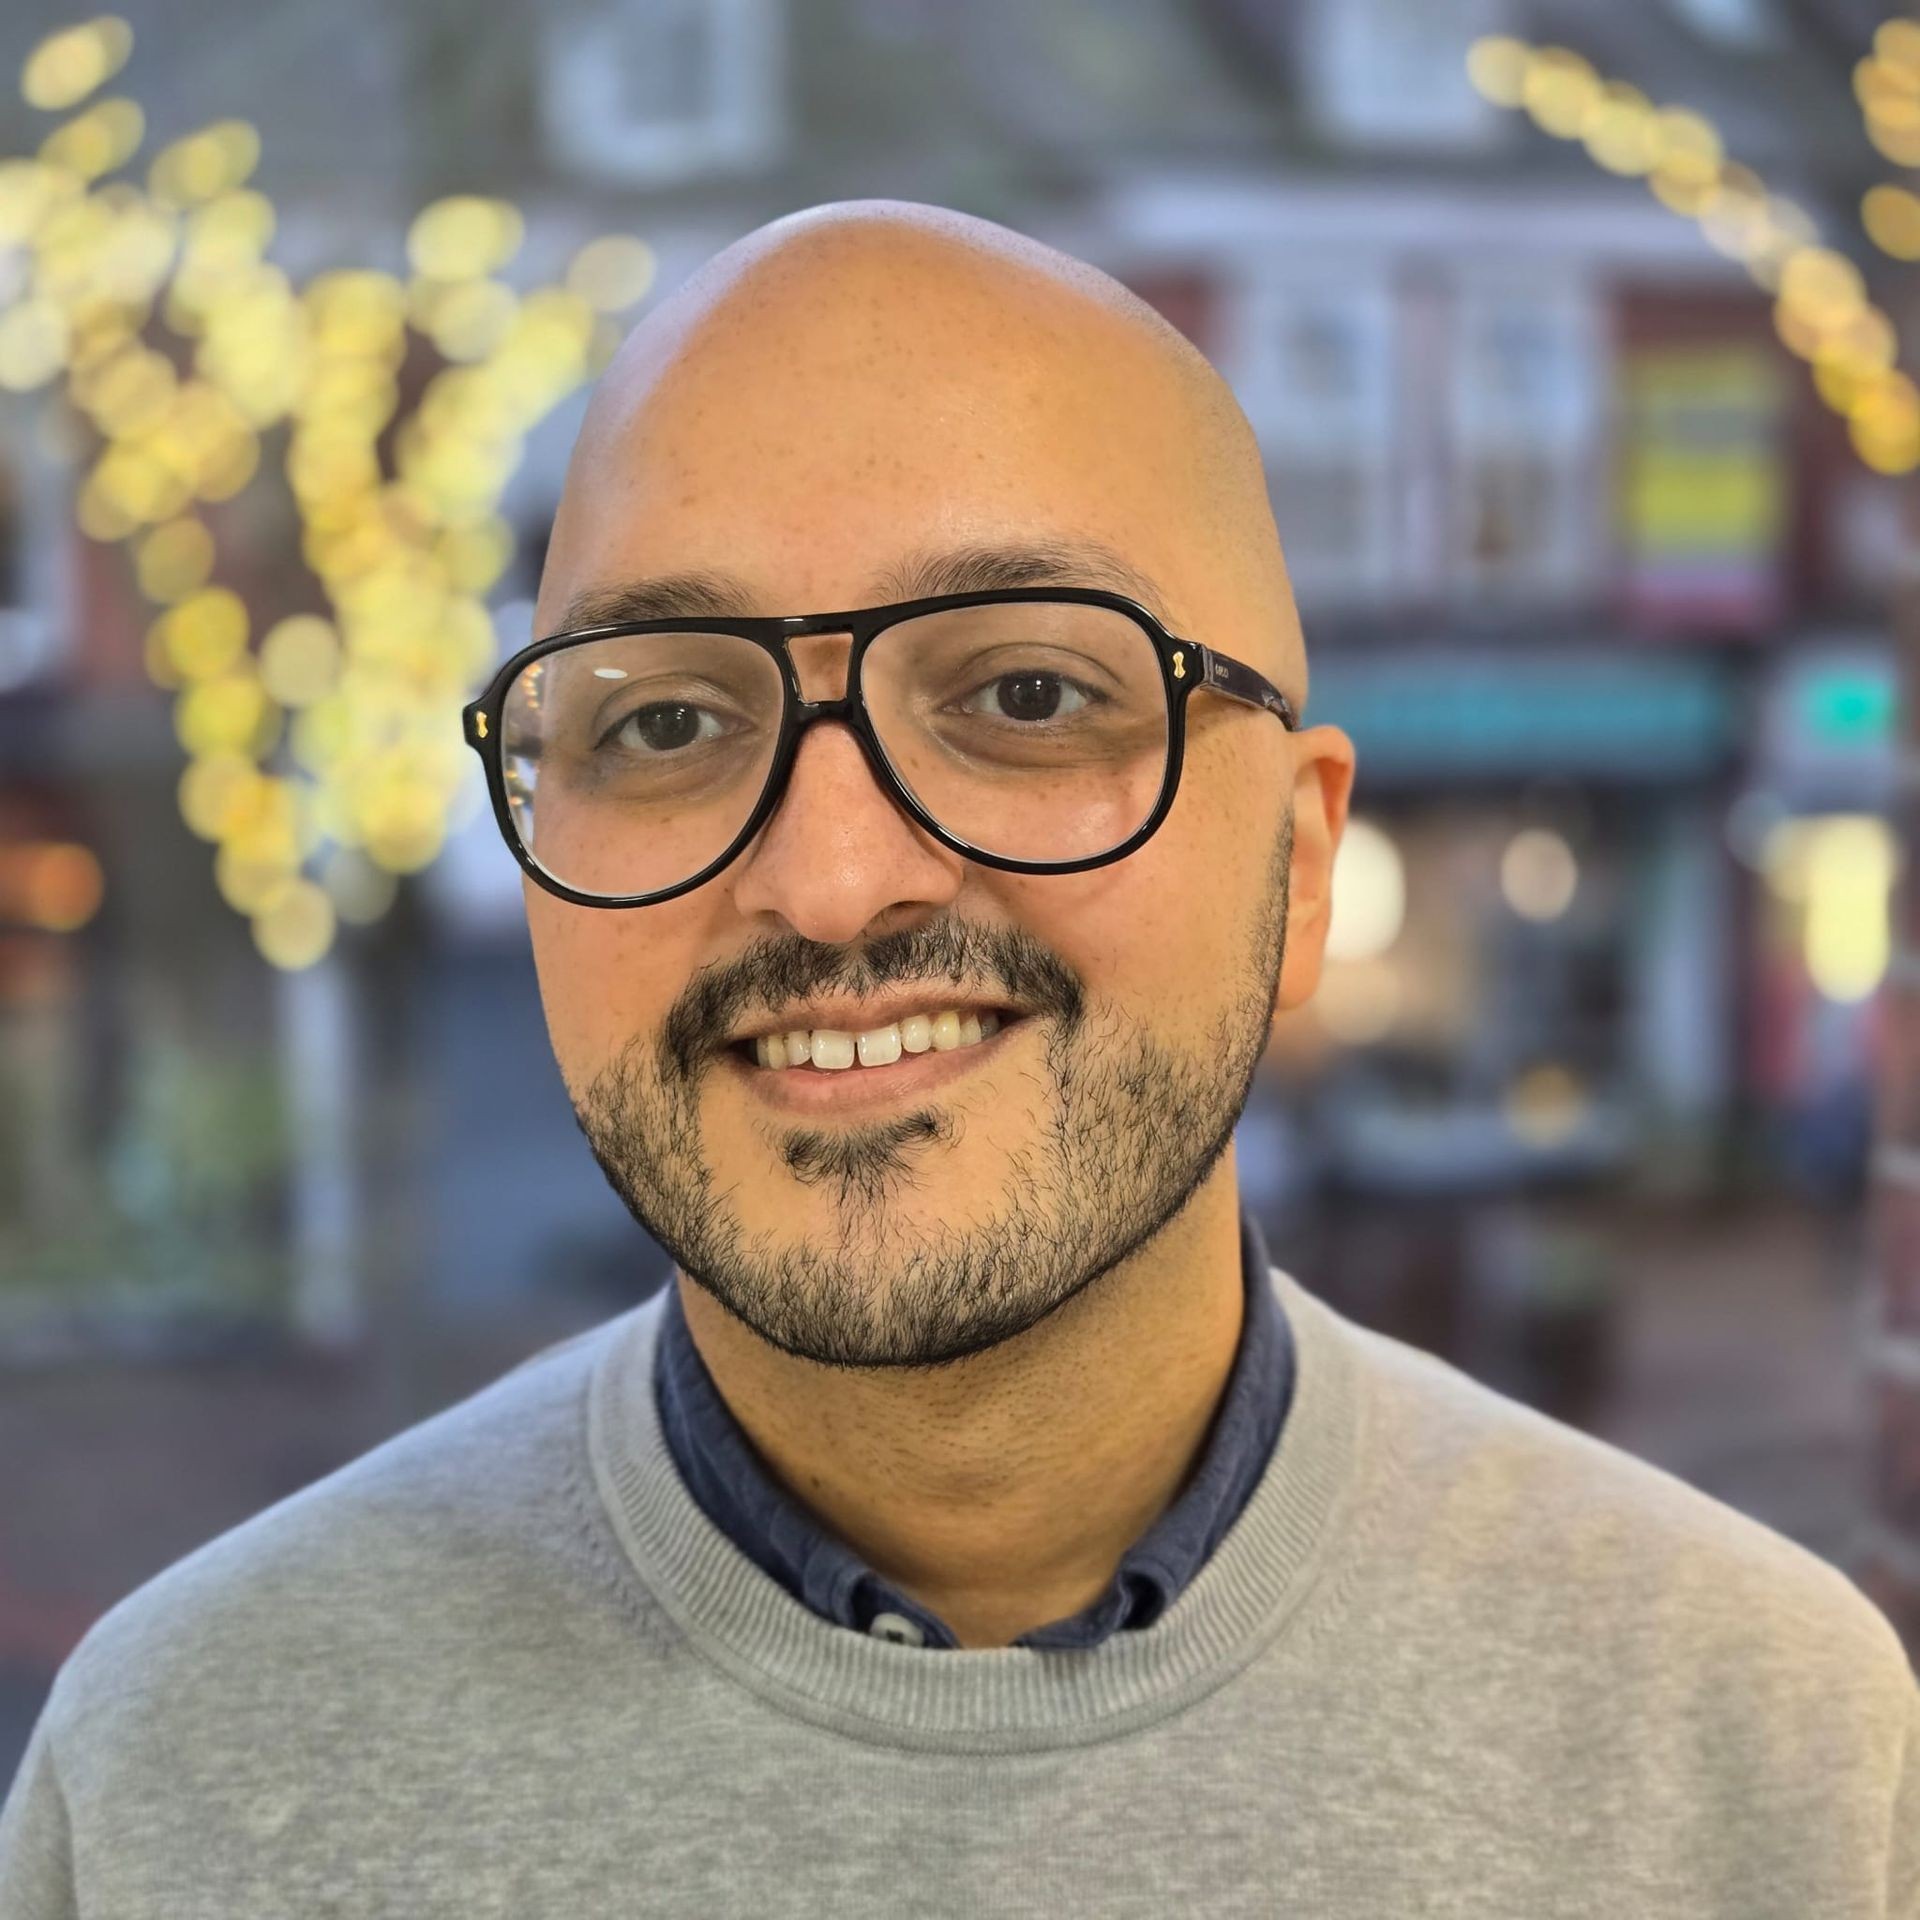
(706, 593)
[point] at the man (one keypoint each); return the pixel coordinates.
(977, 1523)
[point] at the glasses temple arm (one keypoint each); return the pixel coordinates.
(1239, 682)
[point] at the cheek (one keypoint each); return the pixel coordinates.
(604, 977)
(1158, 934)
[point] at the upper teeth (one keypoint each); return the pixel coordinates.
(878, 1046)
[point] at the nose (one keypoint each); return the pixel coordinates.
(838, 852)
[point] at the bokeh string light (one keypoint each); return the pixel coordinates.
(324, 755)
(1821, 308)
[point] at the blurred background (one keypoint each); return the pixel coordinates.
(1573, 336)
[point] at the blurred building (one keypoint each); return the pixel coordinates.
(1586, 568)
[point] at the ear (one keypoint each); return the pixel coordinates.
(1323, 760)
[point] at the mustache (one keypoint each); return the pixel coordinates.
(970, 957)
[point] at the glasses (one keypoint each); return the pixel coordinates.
(1032, 731)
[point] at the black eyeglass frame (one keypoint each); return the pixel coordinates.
(1185, 666)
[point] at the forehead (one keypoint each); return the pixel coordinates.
(822, 461)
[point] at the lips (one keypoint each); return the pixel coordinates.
(823, 1090)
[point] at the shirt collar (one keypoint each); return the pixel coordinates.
(730, 1483)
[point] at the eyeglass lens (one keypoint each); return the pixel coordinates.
(1033, 730)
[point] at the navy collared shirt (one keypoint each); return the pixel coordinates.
(726, 1478)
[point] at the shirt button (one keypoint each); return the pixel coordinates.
(896, 1626)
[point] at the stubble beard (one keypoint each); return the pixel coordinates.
(1132, 1127)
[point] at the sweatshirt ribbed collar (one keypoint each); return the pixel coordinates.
(986, 1699)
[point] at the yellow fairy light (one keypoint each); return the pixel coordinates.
(1889, 398)
(1838, 383)
(269, 826)
(174, 560)
(1558, 90)
(553, 324)
(135, 257)
(1887, 89)
(132, 393)
(1735, 218)
(299, 659)
(33, 344)
(464, 237)
(357, 392)
(216, 793)
(321, 734)
(1687, 158)
(231, 230)
(322, 462)
(97, 330)
(354, 312)
(202, 165)
(1889, 94)
(30, 191)
(1891, 216)
(67, 66)
(227, 467)
(250, 884)
(1619, 130)
(71, 234)
(224, 714)
(1864, 342)
(206, 633)
(614, 272)
(295, 929)
(1821, 286)
(1497, 66)
(144, 487)
(1892, 449)
(471, 318)
(97, 141)
(475, 557)
(402, 824)
(1799, 335)
(1686, 139)
(1900, 144)
(1896, 43)
(1884, 423)
(99, 515)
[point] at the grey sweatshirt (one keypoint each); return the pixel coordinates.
(1453, 1659)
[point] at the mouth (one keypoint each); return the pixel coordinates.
(892, 1065)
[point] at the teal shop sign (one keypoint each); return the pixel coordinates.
(1446, 714)
(1849, 705)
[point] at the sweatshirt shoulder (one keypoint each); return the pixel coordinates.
(474, 1506)
(1564, 1534)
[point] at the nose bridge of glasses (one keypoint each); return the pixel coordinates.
(820, 662)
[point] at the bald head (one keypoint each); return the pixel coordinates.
(876, 379)
(854, 406)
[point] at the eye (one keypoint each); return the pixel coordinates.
(665, 727)
(1035, 694)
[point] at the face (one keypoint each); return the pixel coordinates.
(829, 418)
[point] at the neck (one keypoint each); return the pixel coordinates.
(1001, 1492)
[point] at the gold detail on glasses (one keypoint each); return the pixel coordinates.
(480, 726)
(1179, 666)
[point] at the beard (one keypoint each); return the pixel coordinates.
(1132, 1127)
